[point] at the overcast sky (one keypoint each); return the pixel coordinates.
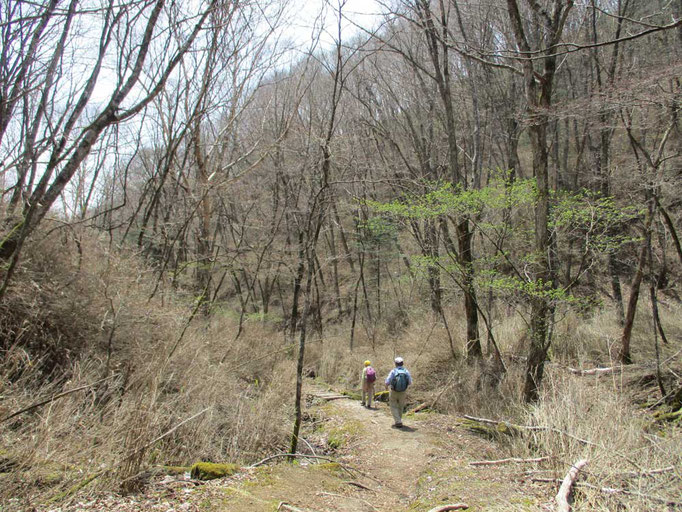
(357, 12)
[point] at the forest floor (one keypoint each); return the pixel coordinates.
(373, 467)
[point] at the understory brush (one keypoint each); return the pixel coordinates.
(633, 463)
(104, 376)
(109, 372)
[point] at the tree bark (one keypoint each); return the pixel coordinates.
(625, 356)
(538, 89)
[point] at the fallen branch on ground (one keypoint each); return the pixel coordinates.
(595, 371)
(538, 428)
(452, 506)
(285, 506)
(54, 397)
(546, 480)
(645, 473)
(420, 407)
(541, 428)
(612, 490)
(301, 456)
(358, 484)
(622, 368)
(281, 455)
(505, 461)
(567, 485)
(328, 396)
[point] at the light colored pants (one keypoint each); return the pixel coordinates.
(367, 393)
(397, 401)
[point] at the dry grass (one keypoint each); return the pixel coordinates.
(588, 418)
(91, 318)
(91, 324)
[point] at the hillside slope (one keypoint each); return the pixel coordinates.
(374, 468)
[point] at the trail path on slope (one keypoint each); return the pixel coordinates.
(416, 468)
(375, 468)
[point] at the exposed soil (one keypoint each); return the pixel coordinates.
(375, 468)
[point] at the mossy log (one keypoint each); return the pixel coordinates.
(381, 396)
(490, 430)
(211, 470)
(668, 416)
(175, 470)
(676, 400)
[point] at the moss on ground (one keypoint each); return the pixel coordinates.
(381, 396)
(175, 470)
(211, 471)
(494, 432)
(353, 395)
(333, 468)
(339, 435)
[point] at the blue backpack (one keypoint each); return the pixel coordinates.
(400, 380)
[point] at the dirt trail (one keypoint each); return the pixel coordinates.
(416, 468)
(372, 468)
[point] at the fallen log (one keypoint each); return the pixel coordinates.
(290, 508)
(595, 371)
(566, 486)
(506, 461)
(452, 506)
(419, 408)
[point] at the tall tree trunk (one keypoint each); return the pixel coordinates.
(625, 355)
(331, 240)
(464, 237)
(431, 249)
(298, 279)
(538, 88)
(437, 33)
(301, 357)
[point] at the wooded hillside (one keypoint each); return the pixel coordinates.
(198, 211)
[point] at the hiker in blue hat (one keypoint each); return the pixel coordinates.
(398, 381)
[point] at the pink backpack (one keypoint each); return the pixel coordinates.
(371, 374)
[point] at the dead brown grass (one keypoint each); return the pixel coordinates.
(88, 322)
(85, 319)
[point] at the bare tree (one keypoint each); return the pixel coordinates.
(537, 46)
(69, 129)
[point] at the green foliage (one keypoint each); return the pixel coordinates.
(449, 199)
(503, 211)
(594, 218)
(377, 234)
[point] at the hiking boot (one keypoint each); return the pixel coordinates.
(362, 403)
(397, 425)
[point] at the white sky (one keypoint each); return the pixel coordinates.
(358, 12)
(304, 23)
